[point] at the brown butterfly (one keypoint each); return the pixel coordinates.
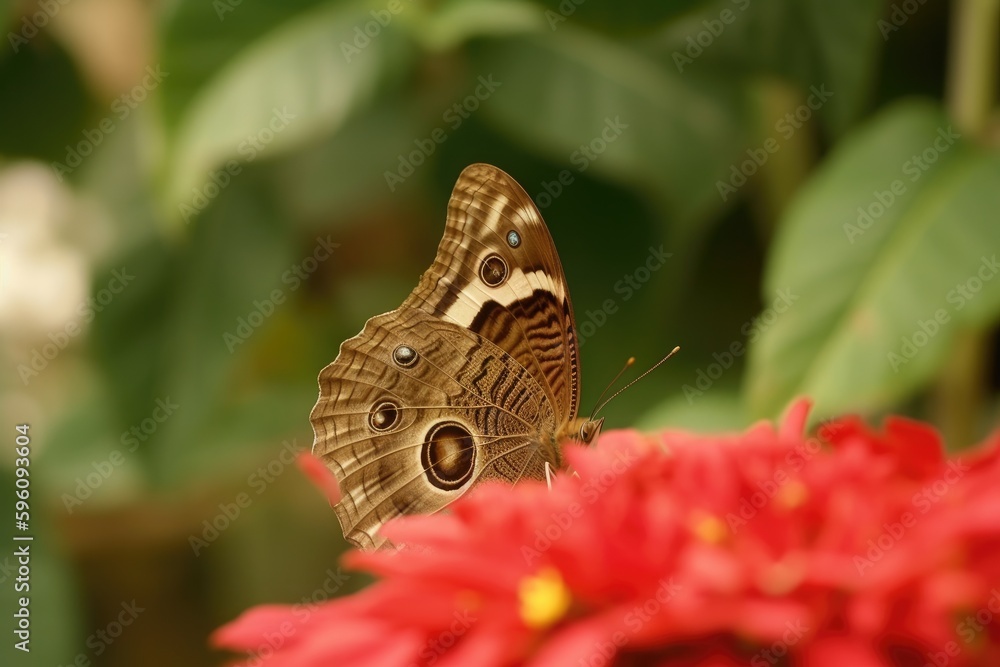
(474, 377)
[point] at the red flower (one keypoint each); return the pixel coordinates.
(769, 548)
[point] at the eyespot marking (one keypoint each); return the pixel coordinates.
(449, 456)
(404, 356)
(493, 270)
(383, 416)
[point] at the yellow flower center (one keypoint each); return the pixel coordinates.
(544, 598)
(793, 494)
(710, 529)
(784, 575)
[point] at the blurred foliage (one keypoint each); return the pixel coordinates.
(773, 147)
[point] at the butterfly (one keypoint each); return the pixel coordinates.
(476, 376)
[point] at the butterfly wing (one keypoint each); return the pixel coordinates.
(497, 274)
(491, 381)
(416, 410)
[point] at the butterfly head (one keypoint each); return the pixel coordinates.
(590, 429)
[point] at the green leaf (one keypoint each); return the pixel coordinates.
(299, 82)
(607, 16)
(716, 412)
(344, 175)
(813, 43)
(589, 104)
(873, 253)
(456, 22)
(242, 433)
(188, 325)
(199, 37)
(89, 466)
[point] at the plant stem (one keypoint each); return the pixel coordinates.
(971, 90)
(788, 168)
(972, 67)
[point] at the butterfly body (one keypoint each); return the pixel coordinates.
(474, 377)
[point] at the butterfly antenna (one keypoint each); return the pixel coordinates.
(630, 361)
(628, 364)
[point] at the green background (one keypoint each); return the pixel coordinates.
(753, 137)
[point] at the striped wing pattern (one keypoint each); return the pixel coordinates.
(495, 376)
